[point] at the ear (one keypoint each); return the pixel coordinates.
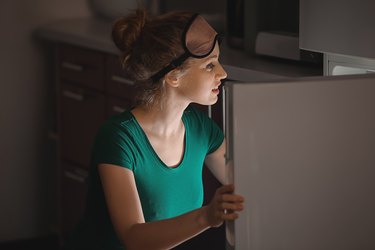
(172, 78)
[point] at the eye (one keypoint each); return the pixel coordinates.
(210, 66)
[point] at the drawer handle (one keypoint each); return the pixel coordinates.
(74, 96)
(118, 109)
(122, 80)
(72, 66)
(74, 176)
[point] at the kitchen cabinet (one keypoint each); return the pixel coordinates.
(322, 22)
(82, 112)
(117, 105)
(82, 67)
(117, 82)
(73, 189)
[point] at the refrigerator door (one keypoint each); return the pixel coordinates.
(303, 153)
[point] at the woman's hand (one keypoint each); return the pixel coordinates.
(223, 206)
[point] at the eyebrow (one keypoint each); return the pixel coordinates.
(213, 56)
(210, 57)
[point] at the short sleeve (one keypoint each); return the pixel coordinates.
(112, 145)
(211, 131)
(216, 136)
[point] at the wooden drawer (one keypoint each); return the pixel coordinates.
(82, 113)
(117, 82)
(117, 105)
(82, 66)
(73, 195)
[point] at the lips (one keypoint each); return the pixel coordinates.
(216, 91)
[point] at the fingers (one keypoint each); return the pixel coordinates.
(232, 206)
(226, 194)
(229, 211)
(231, 198)
(224, 206)
(228, 189)
(229, 203)
(229, 216)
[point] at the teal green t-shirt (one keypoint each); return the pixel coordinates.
(164, 192)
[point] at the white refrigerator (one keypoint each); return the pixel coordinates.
(302, 152)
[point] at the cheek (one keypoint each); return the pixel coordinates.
(195, 87)
(197, 80)
(202, 77)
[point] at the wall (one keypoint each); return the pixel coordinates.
(210, 6)
(26, 176)
(214, 11)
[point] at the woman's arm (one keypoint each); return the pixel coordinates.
(216, 163)
(127, 218)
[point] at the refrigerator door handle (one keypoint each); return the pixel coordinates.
(227, 117)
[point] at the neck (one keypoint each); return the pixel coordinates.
(163, 119)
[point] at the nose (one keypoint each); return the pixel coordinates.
(221, 73)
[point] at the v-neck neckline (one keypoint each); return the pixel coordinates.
(162, 163)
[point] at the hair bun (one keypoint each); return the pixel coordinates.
(127, 30)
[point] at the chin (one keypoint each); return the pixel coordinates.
(212, 102)
(209, 101)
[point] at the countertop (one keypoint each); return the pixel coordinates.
(95, 33)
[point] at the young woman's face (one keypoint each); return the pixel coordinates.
(203, 77)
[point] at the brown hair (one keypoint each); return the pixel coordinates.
(147, 45)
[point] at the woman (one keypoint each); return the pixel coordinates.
(145, 188)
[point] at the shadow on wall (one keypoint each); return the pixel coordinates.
(24, 184)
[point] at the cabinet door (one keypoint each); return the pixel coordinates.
(321, 27)
(82, 113)
(82, 66)
(117, 105)
(118, 84)
(73, 193)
